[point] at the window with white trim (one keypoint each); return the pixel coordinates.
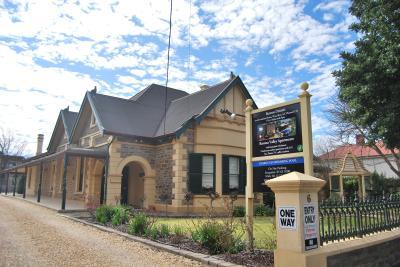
(201, 173)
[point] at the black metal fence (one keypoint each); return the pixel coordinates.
(341, 220)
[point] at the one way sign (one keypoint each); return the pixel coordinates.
(287, 218)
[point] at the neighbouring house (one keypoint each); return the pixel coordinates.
(356, 160)
(370, 159)
(7, 183)
(147, 151)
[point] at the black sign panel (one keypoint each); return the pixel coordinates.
(277, 131)
(265, 170)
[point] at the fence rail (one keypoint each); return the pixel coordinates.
(341, 220)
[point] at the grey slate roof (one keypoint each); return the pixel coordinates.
(183, 109)
(69, 119)
(143, 114)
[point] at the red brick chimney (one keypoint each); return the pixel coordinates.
(360, 140)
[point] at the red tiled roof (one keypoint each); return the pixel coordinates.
(357, 150)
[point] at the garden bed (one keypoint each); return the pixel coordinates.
(173, 232)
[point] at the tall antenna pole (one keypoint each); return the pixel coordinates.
(166, 83)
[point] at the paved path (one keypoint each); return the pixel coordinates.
(35, 236)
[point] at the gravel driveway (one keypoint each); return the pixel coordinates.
(35, 236)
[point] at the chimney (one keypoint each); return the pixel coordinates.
(39, 144)
(204, 87)
(360, 140)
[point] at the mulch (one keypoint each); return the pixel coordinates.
(258, 257)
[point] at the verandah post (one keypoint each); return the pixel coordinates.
(26, 177)
(15, 182)
(39, 192)
(8, 176)
(64, 183)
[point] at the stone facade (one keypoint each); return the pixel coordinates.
(160, 159)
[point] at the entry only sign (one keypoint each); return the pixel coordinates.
(269, 169)
(287, 218)
(310, 227)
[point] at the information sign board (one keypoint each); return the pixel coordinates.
(269, 169)
(277, 131)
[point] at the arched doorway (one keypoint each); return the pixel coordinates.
(132, 185)
(135, 185)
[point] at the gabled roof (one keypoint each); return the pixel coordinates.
(69, 119)
(349, 164)
(154, 93)
(66, 119)
(144, 114)
(195, 107)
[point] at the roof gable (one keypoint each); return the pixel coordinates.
(64, 124)
(196, 106)
(83, 118)
(147, 113)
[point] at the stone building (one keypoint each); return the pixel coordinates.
(148, 151)
(8, 181)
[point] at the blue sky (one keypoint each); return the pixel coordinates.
(52, 52)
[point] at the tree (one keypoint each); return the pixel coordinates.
(369, 80)
(9, 144)
(346, 126)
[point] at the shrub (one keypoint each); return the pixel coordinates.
(239, 211)
(152, 232)
(217, 237)
(269, 211)
(120, 215)
(178, 230)
(140, 224)
(164, 230)
(260, 210)
(104, 214)
(178, 234)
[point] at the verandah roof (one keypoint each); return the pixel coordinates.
(92, 153)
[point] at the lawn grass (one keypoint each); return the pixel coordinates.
(264, 230)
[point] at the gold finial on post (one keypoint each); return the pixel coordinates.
(304, 86)
(249, 105)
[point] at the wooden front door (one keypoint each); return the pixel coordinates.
(124, 185)
(102, 186)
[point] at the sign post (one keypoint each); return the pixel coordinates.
(278, 141)
(249, 176)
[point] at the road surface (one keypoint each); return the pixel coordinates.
(35, 236)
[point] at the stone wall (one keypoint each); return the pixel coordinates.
(160, 159)
(163, 166)
(384, 254)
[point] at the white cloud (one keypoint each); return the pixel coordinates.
(335, 6)
(31, 96)
(64, 48)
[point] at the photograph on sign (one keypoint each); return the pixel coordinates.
(277, 131)
(269, 169)
(287, 218)
(310, 227)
